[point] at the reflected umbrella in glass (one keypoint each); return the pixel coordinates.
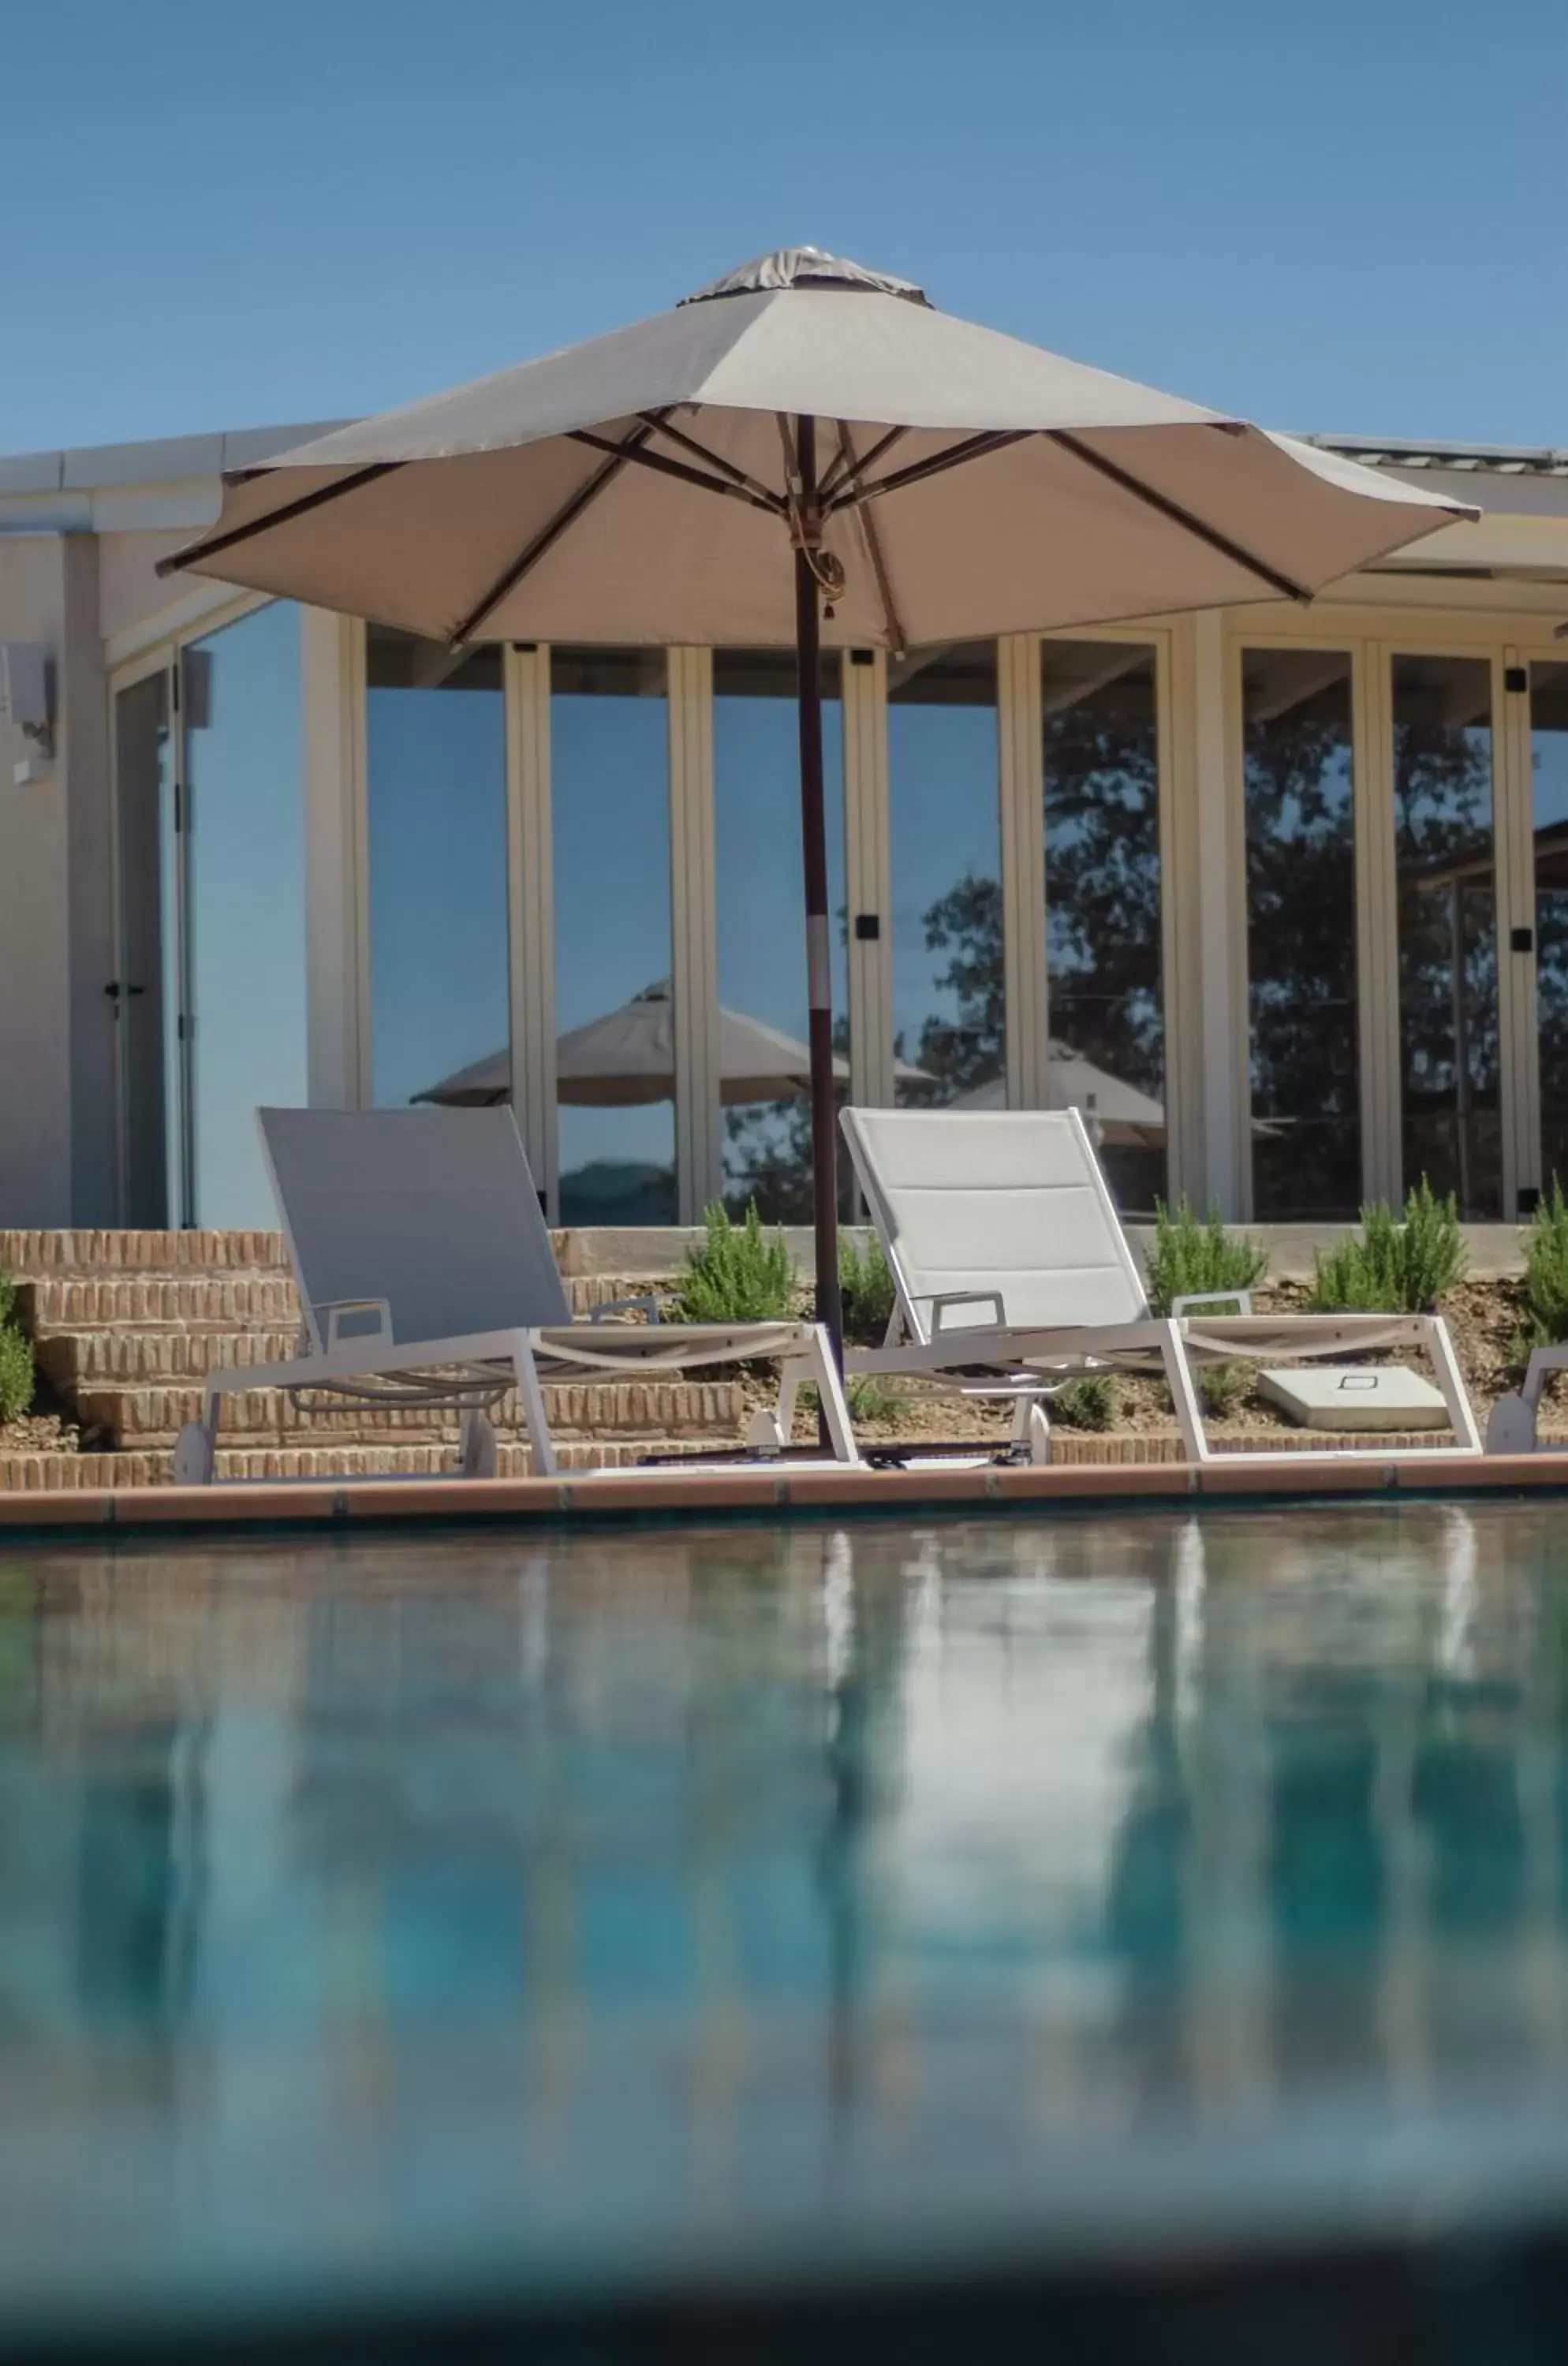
(1118, 1115)
(627, 1057)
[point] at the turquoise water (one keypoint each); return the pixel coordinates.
(455, 1913)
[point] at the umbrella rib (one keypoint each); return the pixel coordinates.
(896, 639)
(306, 502)
(714, 459)
(845, 469)
(678, 469)
(551, 534)
(972, 447)
(1155, 499)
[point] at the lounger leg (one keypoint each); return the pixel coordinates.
(1450, 1380)
(831, 1396)
(531, 1396)
(479, 1458)
(1179, 1377)
(1032, 1428)
(196, 1449)
(769, 1432)
(1512, 1427)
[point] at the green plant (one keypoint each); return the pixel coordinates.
(738, 1274)
(1086, 1403)
(869, 1399)
(16, 1357)
(1223, 1386)
(1546, 1269)
(865, 1288)
(872, 1400)
(1395, 1268)
(1191, 1258)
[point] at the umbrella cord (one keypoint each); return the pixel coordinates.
(826, 573)
(805, 528)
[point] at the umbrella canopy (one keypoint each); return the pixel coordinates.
(970, 484)
(1127, 1119)
(804, 446)
(626, 1058)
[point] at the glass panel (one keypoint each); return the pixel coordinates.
(1102, 904)
(945, 826)
(1448, 929)
(246, 903)
(147, 1005)
(435, 736)
(761, 931)
(1548, 821)
(610, 804)
(1300, 933)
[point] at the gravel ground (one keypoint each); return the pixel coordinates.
(1485, 1319)
(39, 1433)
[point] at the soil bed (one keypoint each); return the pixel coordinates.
(1486, 1321)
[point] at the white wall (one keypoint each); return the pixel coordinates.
(35, 921)
(57, 1042)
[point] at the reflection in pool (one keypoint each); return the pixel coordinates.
(630, 1904)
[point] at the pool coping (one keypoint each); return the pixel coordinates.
(610, 1497)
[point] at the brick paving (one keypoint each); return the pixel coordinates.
(127, 1324)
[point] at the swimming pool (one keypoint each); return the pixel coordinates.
(586, 1923)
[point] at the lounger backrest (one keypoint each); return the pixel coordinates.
(1009, 1200)
(432, 1210)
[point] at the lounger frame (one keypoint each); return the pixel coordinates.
(349, 1352)
(1028, 1362)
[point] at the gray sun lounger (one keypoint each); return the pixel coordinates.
(1012, 1274)
(427, 1279)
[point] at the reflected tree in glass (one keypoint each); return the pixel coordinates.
(1549, 798)
(945, 830)
(1301, 922)
(760, 924)
(1103, 894)
(610, 821)
(1448, 931)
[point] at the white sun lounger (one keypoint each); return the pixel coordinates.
(427, 1279)
(1012, 1274)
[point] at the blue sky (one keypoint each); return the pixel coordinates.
(1349, 217)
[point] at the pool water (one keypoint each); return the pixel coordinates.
(598, 1914)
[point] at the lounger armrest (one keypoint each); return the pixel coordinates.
(648, 1304)
(335, 1309)
(1214, 1299)
(944, 1298)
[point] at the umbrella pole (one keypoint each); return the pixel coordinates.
(819, 943)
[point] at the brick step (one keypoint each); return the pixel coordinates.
(61, 1308)
(34, 1473)
(221, 1302)
(152, 1416)
(25, 1254)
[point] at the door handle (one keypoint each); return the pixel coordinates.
(115, 990)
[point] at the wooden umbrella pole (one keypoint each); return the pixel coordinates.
(818, 941)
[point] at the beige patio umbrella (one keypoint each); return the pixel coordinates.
(805, 448)
(626, 1059)
(1127, 1118)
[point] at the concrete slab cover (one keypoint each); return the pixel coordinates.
(1356, 1396)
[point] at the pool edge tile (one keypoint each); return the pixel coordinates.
(237, 1505)
(1358, 1475)
(58, 1507)
(1075, 1481)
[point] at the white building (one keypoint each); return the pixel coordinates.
(1299, 878)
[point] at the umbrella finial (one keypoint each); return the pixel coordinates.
(804, 267)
